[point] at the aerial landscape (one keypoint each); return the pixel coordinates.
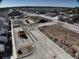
(39, 31)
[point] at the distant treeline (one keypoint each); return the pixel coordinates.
(3, 9)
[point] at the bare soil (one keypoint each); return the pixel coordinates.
(63, 37)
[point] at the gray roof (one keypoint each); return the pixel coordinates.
(2, 49)
(1, 23)
(0, 32)
(3, 38)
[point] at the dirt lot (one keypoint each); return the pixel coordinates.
(24, 51)
(63, 37)
(36, 18)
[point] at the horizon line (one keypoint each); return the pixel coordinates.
(39, 6)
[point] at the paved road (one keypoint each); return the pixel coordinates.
(44, 43)
(55, 19)
(46, 49)
(18, 41)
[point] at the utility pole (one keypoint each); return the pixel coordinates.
(65, 37)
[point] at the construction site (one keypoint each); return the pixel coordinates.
(63, 37)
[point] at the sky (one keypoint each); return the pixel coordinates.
(58, 3)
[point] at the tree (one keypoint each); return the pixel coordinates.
(42, 12)
(77, 10)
